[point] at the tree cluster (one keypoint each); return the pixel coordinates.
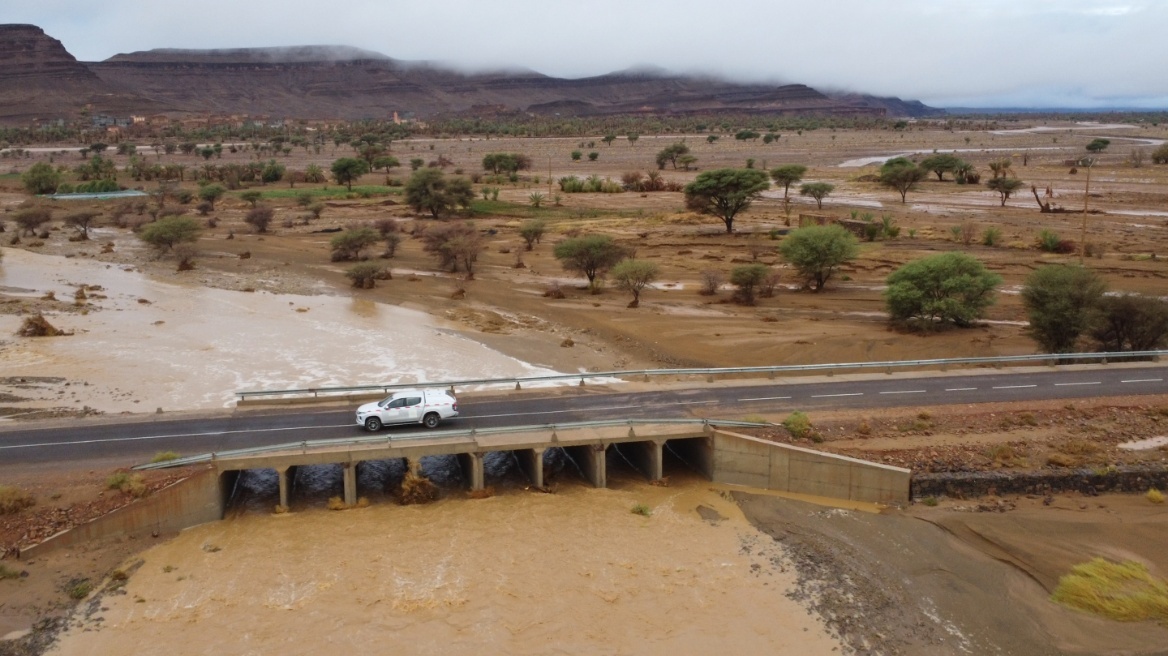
(506, 162)
(429, 190)
(1068, 306)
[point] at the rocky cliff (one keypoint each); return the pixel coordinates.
(39, 78)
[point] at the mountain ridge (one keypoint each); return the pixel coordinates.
(39, 79)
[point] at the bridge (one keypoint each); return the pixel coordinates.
(708, 447)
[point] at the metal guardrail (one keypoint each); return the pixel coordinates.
(449, 433)
(645, 373)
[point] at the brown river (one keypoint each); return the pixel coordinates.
(522, 572)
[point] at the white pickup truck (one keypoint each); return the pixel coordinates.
(415, 406)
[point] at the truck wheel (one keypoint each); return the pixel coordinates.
(431, 420)
(373, 424)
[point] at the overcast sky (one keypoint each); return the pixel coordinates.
(1016, 53)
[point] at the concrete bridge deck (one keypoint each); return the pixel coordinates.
(719, 455)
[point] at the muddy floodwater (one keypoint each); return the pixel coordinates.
(144, 344)
(574, 572)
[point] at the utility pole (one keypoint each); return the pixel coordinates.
(1090, 162)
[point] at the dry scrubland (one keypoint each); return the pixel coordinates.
(506, 305)
(675, 324)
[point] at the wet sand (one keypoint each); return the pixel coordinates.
(521, 573)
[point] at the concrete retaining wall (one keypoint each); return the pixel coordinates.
(195, 500)
(744, 460)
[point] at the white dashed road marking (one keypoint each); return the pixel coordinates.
(905, 392)
(1073, 384)
(830, 396)
(766, 398)
(1143, 380)
(1014, 386)
(960, 389)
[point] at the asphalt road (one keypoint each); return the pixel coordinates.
(138, 440)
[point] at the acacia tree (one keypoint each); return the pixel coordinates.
(634, 276)
(347, 169)
(1130, 322)
(1098, 145)
(817, 190)
(532, 231)
(82, 222)
(948, 288)
(41, 178)
(349, 244)
(787, 175)
(940, 164)
(32, 218)
(902, 175)
(211, 193)
(454, 244)
(671, 153)
(1059, 301)
(167, 233)
(429, 190)
(817, 251)
(1005, 187)
(725, 192)
(590, 255)
(386, 162)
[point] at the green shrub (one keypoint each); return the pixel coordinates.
(991, 236)
(1048, 240)
(364, 274)
(164, 456)
(642, 509)
(798, 425)
(127, 483)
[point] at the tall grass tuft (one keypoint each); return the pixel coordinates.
(1119, 591)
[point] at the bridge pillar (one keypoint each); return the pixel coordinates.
(531, 462)
(590, 459)
(285, 475)
(646, 456)
(472, 469)
(350, 480)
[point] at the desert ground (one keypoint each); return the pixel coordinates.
(271, 311)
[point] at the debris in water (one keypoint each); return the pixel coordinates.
(38, 326)
(416, 488)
